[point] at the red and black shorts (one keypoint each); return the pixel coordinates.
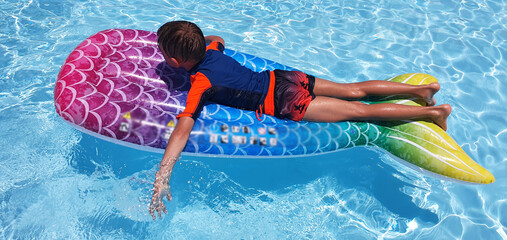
(292, 94)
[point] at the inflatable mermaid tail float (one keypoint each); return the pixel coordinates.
(116, 86)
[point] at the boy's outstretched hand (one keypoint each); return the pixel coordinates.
(161, 189)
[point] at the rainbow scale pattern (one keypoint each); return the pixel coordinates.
(116, 85)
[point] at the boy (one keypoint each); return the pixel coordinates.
(283, 94)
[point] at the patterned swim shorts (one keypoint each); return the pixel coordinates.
(293, 93)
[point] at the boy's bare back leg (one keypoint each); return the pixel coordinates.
(374, 88)
(329, 109)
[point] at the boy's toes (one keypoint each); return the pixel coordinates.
(435, 86)
(448, 109)
(432, 102)
(441, 120)
(431, 90)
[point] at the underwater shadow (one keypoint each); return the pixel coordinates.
(356, 168)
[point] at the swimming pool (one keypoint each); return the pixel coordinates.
(56, 182)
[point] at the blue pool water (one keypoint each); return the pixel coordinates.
(58, 183)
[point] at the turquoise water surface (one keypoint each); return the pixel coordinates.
(58, 183)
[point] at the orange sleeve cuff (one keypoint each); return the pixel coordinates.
(217, 46)
(213, 46)
(184, 114)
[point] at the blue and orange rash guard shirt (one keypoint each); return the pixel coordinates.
(221, 79)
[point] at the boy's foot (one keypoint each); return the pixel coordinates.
(440, 119)
(428, 93)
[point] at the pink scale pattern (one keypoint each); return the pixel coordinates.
(113, 83)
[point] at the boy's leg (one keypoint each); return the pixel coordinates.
(374, 88)
(328, 109)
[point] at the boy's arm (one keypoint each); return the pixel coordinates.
(212, 38)
(176, 143)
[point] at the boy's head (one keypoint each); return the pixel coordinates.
(182, 42)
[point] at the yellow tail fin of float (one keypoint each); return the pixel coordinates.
(426, 145)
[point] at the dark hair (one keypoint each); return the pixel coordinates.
(182, 40)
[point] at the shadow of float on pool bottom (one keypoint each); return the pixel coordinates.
(358, 168)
